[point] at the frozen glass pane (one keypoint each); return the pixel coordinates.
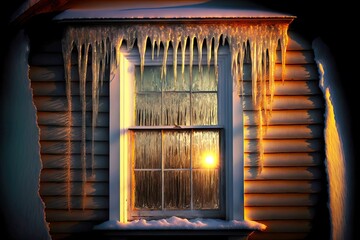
(176, 109)
(148, 109)
(147, 150)
(151, 80)
(177, 189)
(147, 190)
(181, 83)
(204, 109)
(204, 80)
(205, 149)
(177, 149)
(206, 189)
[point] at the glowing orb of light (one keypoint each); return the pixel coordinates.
(210, 161)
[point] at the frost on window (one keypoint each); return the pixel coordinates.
(182, 162)
(181, 166)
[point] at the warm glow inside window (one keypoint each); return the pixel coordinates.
(176, 160)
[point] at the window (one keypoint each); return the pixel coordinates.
(171, 141)
(176, 160)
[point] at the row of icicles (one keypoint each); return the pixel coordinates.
(104, 43)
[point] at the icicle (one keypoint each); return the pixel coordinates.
(183, 51)
(208, 47)
(67, 47)
(83, 49)
(141, 42)
(191, 54)
(216, 47)
(165, 39)
(175, 43)
(283, 41)
(200, 41)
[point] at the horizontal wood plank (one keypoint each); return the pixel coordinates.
(278, 236)
(288, 88)
(62, 118)
(282, 173)
(60, 175)
(48, 133)
(287, 225)
(76, 202)
(284, 145)
(59, 161)
(60, 189)
(279, 213)
(280, 199)
(60, 104)
(59, 88)
(56, 73)
(76, 215)
(296, 72)
(287, 117)
(72, 227)
(281, 186)
(284, 159)
(60, 147)
(288, 102)
(285, 131)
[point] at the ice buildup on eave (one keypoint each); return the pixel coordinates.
(256, 37)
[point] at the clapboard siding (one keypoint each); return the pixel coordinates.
(287, 191)
(49, 89)
(284, 194)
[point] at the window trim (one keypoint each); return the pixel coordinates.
(122, 82)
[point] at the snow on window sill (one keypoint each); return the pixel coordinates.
(176, 223)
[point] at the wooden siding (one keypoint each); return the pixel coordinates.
(285, 196)
(48, 84)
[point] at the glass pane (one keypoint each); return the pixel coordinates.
(147, 150)
(204, 80)
(147, 190)
(181, 83)
(176, 109)
(177, 189)
(151, 79)
(206, 189)
(148, 109)
(204, 109)
(177, 149)
(205, 149)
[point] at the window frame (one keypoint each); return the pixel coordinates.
(122, 88)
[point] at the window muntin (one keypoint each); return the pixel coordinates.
(175, 134)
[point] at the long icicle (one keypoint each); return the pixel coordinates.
(67, 46)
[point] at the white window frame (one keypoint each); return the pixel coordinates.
(122, 85)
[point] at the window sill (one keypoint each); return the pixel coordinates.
(180, 227)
